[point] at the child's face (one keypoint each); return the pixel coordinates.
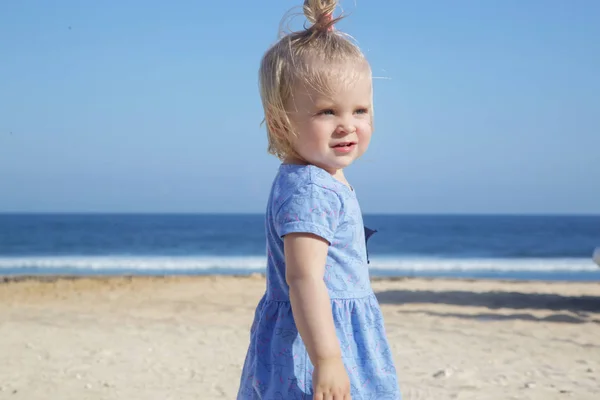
(332, 130)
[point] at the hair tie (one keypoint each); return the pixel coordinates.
(327, 18)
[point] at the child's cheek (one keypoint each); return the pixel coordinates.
(364, 129)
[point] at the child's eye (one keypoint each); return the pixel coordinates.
(362, 111)
(327, 111)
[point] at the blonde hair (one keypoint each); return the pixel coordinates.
(293, 59)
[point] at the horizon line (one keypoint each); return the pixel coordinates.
(232, 213)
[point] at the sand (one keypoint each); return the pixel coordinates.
(186, 337)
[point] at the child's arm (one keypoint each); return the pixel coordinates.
(305, 259)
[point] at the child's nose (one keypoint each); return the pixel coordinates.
(346, 127)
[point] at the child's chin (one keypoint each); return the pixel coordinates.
(344, 163)
(336, 163)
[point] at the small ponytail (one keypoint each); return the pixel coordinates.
(320, 14)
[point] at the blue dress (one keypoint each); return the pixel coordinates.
(305, 198)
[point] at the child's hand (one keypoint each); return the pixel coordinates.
(330, 380)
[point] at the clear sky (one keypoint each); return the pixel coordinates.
(153, 106)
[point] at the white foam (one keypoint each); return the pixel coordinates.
(482, 264)
(242, 263)
(141, 263)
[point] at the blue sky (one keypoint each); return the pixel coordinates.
(152, 106)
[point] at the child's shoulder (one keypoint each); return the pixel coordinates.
(305, 198)
(305, 182)
(293, 178)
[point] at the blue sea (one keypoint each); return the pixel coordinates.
(504, 247)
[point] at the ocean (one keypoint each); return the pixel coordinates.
(502, 247)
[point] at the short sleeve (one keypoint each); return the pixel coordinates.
(310, 209)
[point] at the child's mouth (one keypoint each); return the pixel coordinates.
(345, 147)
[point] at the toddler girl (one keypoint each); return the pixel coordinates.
(318, 331)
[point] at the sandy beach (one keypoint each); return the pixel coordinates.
(185, 337)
